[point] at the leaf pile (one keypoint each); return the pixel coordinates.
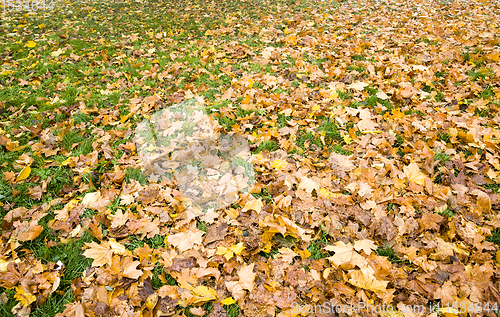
(374, 131)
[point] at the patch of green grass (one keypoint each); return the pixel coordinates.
(305, 140)
(445, 137)
(484, 113)
(232, 310)
(84, 148)
(270, 146)
(136, 242)
(56, 303)
(480, 74)
(337, 148)
(495, 187)
(80, 117)
(391, 255)
(441, 156)
(201, 225)
(226, 122)
(487, 93)
(70, 138)
(316, 247)
(495, 237)
(447, 213)
(359, 57)
(330, 129)
(161, 278)
(6, 308)
(137, 174)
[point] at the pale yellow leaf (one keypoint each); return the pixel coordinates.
(247, 277)
(255, 204)
(414, 174)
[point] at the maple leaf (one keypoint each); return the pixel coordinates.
(359, 86)
(308, 185)
(236, 289)
(414, 174)
(254, 204)
(247, 276)
(90, 198)
(366, 245)
(130, 268)
(99, 252)
(204, 294)
(24, 297)
(32, 230)
(368, 282)
(186, 240)
(346, 258)
(279, 164)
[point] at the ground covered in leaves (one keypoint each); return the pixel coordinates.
(374, 131)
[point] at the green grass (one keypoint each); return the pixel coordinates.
(495, 237)
(445, 137)
(270, 146)
(136, 174)
(316, 247)
(447, 213)
(391, 255)
(136, 242)
(441, 156)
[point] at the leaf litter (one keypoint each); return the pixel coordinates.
(373, 131)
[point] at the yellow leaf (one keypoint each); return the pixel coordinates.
(358, 279)
(3, 264)
(30, 44)
(359, 86)
(204, 294)
(228, 301)
(66, 161)
(255, 204)
(6, 72)
(25, 298)
(237, 248)
(24, 174)
(125, 118)
(247, 276)
(100, 253)
(279, 164)
(57, 53)
(448, 311)
(414, 174)
(325, 193)
(347, 139)
(12, 145)
(333, 95)
(227, 253)
(151, 301)
(304, 254)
